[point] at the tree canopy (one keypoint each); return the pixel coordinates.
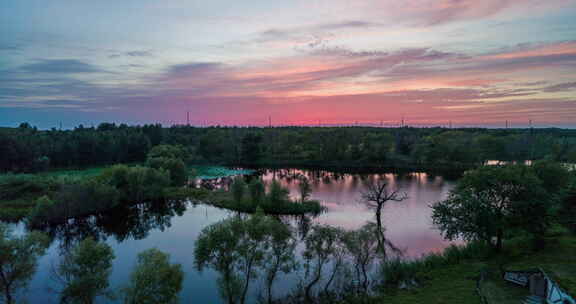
(492, 200)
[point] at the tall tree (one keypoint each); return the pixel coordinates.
(83, 272)
(376, 195)
(154, 280)
(490, 200)
(18, 260)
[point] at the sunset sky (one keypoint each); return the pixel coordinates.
(300, 62)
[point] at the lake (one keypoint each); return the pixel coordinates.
(174, 229)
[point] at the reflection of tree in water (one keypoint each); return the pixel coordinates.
(123, 222)
(333, 262)
(240, 248)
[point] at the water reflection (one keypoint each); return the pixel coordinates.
(408, 223)
(173, 227)
(254, 252)
(122, 223)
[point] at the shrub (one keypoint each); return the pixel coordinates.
(176, 168)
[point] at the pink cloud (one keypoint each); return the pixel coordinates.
(542, 50)
(435, 12)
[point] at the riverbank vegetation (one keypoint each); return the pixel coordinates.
(252, 253)
(26, 149)
(247, 198)
(510, 216)
(50, 197)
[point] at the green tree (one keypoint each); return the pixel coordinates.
(237, 247)
(169, 151)
(277, 194)
(83, 272)
(363, 248)
(323, 246)
(280, 256)
(175, 167)
(251, 150)
(491, 200)
(256, 188)
(154, 280)
(18, 260)
(137, 183)
(172, 158)
(238, 188)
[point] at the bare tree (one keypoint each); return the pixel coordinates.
(376, 195)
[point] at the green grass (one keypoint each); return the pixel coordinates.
(79, 172)
(456, 283)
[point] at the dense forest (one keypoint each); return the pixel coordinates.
(27, 149)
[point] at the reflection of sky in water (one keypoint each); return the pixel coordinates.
(408, 226)
(408, 223)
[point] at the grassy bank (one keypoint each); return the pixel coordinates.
(455, 282)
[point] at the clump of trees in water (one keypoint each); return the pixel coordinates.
(27, 149)
(248, 198)
(246, 250)
(82, 274)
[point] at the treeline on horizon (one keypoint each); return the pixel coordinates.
(27, 149)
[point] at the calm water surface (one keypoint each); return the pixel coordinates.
(175, 229)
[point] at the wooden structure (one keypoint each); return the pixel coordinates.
(543, 290)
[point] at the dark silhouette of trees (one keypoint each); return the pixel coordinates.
(27, 149)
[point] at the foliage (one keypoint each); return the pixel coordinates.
(171, 158)
(176, 168)
(136, 183)
(256, 188)
(83, 272)
(15, 186)
(222, 200)
(363, 247)
(277, 194)
(18, 260)
(492, 200)
(238, 188)
(238, 246)
(169, 151)
(154, 279)
(28, 149)
(251, 147)
(323, 248)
